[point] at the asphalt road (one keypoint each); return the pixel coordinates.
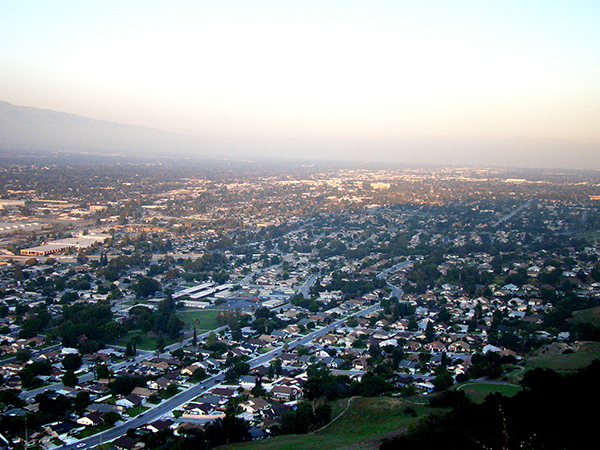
(394, 268)
(305, 288)
(85, 377)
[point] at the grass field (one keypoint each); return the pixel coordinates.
(477, 392)
(136, 411)
(362, 427)
(207, 318)
(89, 431)
(144, 342)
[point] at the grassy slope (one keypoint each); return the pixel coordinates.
(362, 427)
(554, 358)
(591, 315)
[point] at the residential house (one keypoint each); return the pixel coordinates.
(91, 419)
(408, 366)
(129, 401)
(127, 443)
(459, 347)
(158, 425)
(247, 381)
(144, 393)
(286, 393)
(59, 430)
(254, 405)
(224, 392)
(360, 363)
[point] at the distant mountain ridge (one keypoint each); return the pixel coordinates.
(35, 129)
(38, 130)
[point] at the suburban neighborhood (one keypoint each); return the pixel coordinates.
(169, 307)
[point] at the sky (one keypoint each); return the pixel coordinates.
(385, 74)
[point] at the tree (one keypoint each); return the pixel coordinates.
(11, 397)
(199, 374)
(429, 331)
(23, 355)
(18, 274)
(227, 430)
(298, 421)
(69, 379)
(123, 385)
(68, 297)
(241, 368)
(29, 379)
(171, 390)
(102, 371)
(160, 343)
(373, 385)
(174, 326)
(258, 389)
(54, 408)
(552, 412)
(277, 366)
(220, 277)
(146, 287)
(444, 315)
(134, 342)
(442, 381)
(211, 340)
(72, 362)
(110, 418)
(319, 376)
(304, 418)
(82, 400)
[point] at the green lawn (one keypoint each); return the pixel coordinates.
(362, 426)
(133, 412)
(135, 301)
(207, 318)
(166, 394)
(477, 392)
(90, 431)
(144, 342)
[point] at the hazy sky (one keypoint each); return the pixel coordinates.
(331, 70)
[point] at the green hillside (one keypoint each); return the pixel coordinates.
(361, 424)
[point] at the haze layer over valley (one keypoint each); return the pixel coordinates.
(37, 130)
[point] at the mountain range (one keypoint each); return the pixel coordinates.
(35, 130)
(38, 130)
